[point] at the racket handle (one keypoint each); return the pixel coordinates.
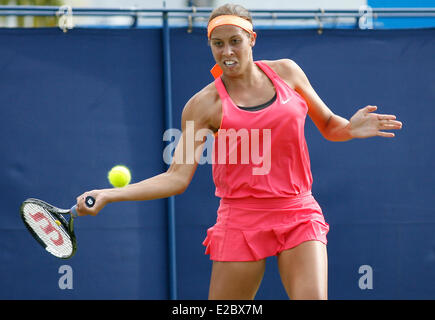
(89, 201)
(74, 211)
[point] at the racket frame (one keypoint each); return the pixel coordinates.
(58, 214)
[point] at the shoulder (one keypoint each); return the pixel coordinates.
(203, 107)
(200, 102)
(206, 94)
(282, 65)
(287, 69)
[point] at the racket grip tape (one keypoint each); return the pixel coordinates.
(89, 201)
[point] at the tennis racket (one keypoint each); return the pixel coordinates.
(52, 227)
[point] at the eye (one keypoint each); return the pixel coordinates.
(217, 43)
(236, 41)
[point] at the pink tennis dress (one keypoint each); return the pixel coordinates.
(261, 169)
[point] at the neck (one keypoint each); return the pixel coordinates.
(250, 77)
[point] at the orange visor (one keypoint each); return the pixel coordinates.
(216, 71)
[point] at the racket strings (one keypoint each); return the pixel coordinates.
(57, 241)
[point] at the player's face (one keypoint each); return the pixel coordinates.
(232, 48)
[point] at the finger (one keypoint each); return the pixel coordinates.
(395, 123)
(389, 128)
(386, 117)
(80, 213)
(79, 208)
(390, 124)
(385, 134)
(85, 211)
(370, 108)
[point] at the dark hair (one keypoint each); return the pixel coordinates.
(231, 9)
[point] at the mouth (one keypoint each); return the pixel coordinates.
(229, 63)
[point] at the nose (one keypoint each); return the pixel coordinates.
(227, 50)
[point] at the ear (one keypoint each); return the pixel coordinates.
(253, 39)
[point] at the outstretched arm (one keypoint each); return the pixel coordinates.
(363, 124)
(172, 182)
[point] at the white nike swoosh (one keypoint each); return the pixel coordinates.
(285, 101)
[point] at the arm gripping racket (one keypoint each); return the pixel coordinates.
(48, 225)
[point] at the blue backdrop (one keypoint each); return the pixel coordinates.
(73, 105)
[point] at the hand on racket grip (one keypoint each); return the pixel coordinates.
(89, 203)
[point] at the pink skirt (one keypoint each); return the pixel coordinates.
(251, 229)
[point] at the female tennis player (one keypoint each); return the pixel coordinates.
(262, 213)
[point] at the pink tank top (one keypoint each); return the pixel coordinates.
(262, 154)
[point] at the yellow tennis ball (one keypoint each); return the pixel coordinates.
(119, 176)
(57, 222)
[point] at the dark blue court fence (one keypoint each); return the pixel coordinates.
(75, 104)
